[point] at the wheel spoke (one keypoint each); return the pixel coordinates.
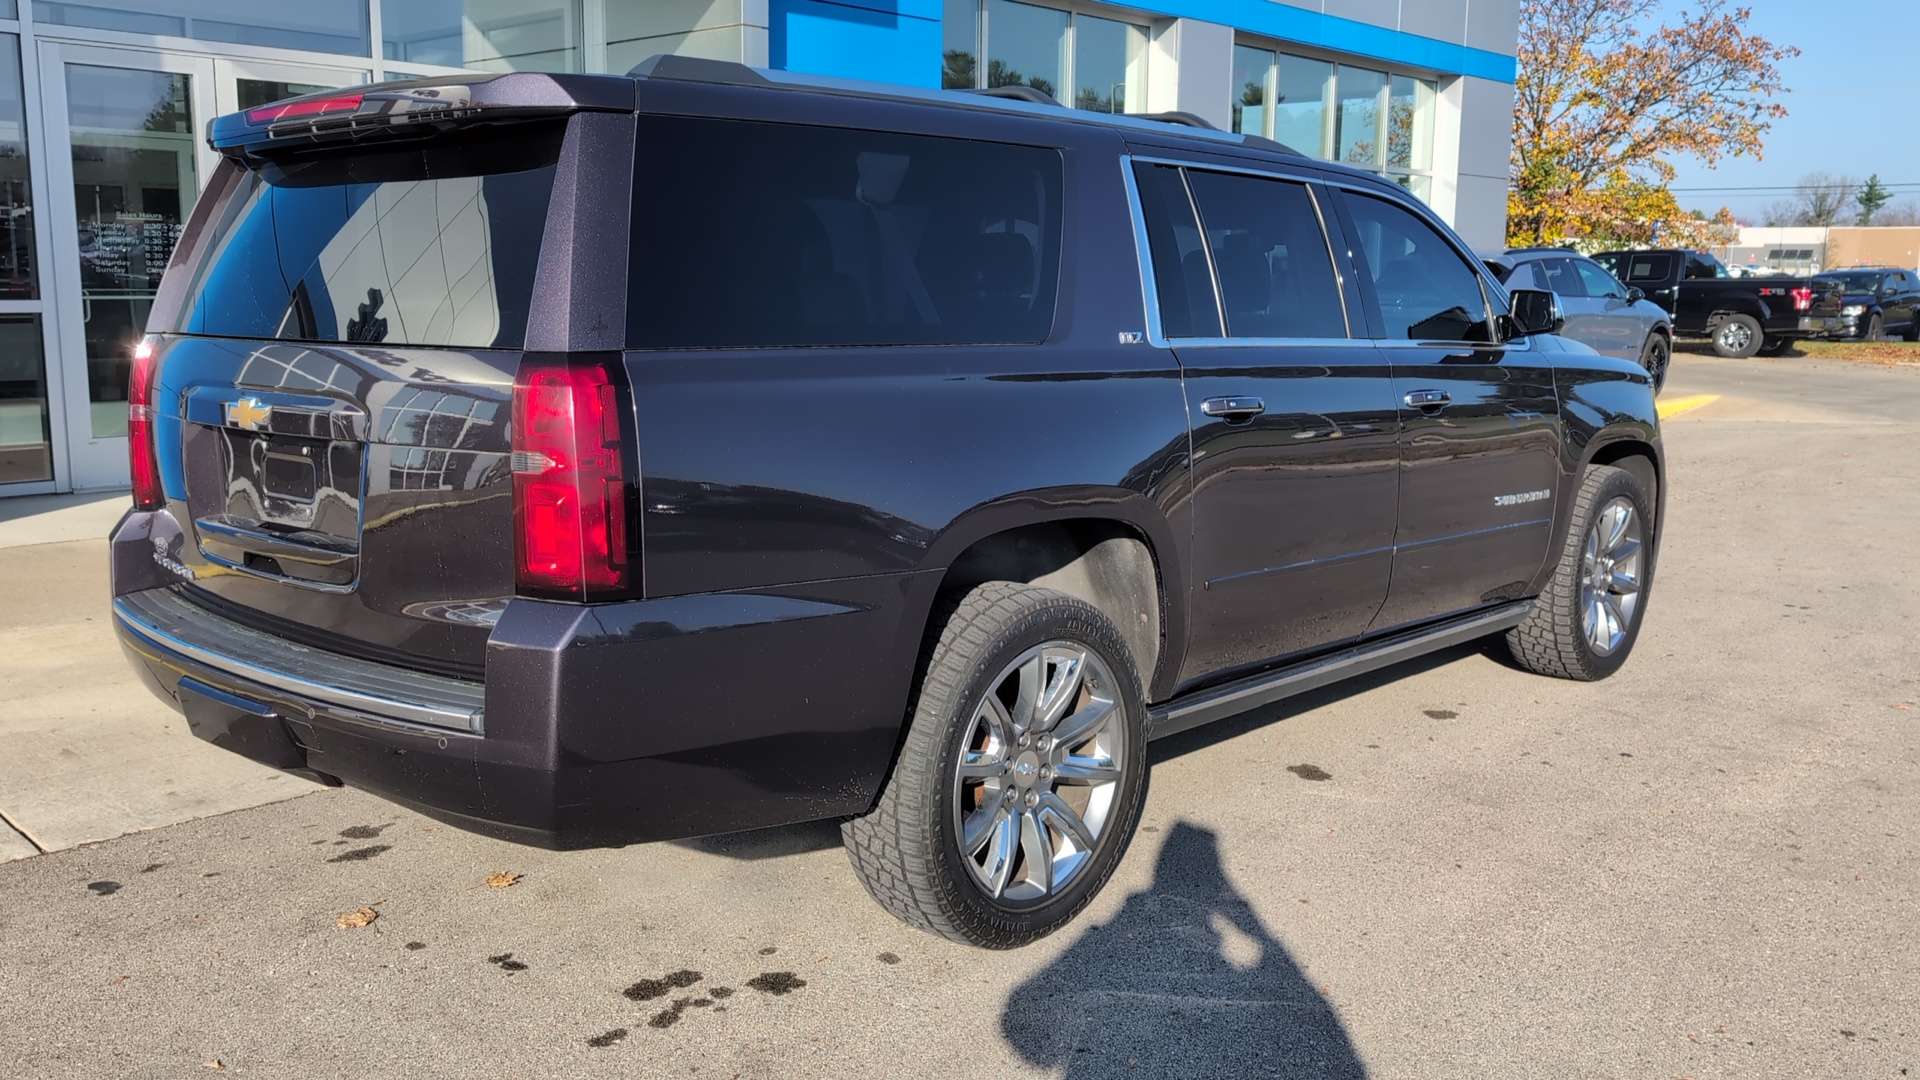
(978, 827)
(1628, 549)
(1624, 582)
(1006, 842)
(1618, 515)
(1596, 623)
(1039, 849)
(1062, 691)
(1032, 685)
(1077, 728)
(1086, 770)
(981, 765)
(1616, 619)
(1070, 822)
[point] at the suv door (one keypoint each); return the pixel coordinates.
(1294, 423)
(1618, 329)
(1479, 438)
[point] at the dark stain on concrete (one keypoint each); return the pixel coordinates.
(1309, 772)
(361, 854)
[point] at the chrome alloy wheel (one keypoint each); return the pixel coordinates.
(1610, 576)
(1038, 773)
(1735, 336)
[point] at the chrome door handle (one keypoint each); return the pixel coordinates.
(1233, 408)
(1428, 399)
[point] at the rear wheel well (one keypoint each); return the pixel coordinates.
(1106, 563)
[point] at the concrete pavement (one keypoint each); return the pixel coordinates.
(1705, 866)
(86, 753)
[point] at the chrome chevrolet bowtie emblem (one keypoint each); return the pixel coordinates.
(248, 413)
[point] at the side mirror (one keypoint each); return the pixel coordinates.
(1635, 294)
(1535, 311)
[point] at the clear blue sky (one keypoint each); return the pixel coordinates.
(1854, 107)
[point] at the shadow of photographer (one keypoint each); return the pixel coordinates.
(1185, 981)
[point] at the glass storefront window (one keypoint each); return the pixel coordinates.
(1302, 89)
(638, 29)
(134, 181)
(1410, 124)
(960, 45)
(8, 10)
(1357, 120)
(329, 26)
(491, 35)
(1026, 45)
(17, 272)
(257, 92)
(1083, 61)
(26, 441)
(1109, 64)
(1253, 71)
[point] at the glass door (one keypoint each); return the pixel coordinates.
(133, 125)
(248, 84)
(134, 163)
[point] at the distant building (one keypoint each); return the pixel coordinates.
(1809, 249)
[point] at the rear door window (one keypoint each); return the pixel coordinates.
(430, 244)
(1183, 282)
(1639, 268)
(1597, 282)
(1561, 277)
(1270, 257)
(1426, 290)
(754, 235)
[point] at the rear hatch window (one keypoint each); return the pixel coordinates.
(416, 244)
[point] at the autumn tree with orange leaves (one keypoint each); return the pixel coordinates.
(1605, 101)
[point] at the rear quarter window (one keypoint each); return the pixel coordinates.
(755, 235)
(427, 244)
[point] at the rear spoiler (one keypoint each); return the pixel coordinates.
(413, 107)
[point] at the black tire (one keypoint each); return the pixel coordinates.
(1655, 355)
(1554, 639)
(1775, 346)
(1737, 337)
(1875, 328)
(1913, 327)
(907, 851)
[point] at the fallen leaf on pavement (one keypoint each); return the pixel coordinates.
(214, 1064)
(118, 981)
(358, 917)
(502, 878)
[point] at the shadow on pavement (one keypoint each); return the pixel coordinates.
(1185, 982)
(776, 842)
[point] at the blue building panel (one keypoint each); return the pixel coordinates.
(899, 40)
(896, 41)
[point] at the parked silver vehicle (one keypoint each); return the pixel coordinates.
(1608, 317)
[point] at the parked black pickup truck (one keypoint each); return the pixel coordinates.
(905, 457)
(1741, 316)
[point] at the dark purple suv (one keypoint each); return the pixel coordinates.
(589, 460)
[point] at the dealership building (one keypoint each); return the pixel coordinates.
(104, 105)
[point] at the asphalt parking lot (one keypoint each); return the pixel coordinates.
(1706, 866)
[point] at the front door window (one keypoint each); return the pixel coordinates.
(134, 181)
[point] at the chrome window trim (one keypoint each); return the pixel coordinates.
(1149, 284)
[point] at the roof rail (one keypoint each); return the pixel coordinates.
(1017, 92)
(1181, 117)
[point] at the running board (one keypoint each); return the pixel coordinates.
(1206, 706)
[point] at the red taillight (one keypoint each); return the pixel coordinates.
(569, 482)
(142, 457)
(293, 110)
(1803, 298)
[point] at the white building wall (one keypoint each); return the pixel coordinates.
(1190, 69)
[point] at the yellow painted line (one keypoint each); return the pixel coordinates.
(1673, 407)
